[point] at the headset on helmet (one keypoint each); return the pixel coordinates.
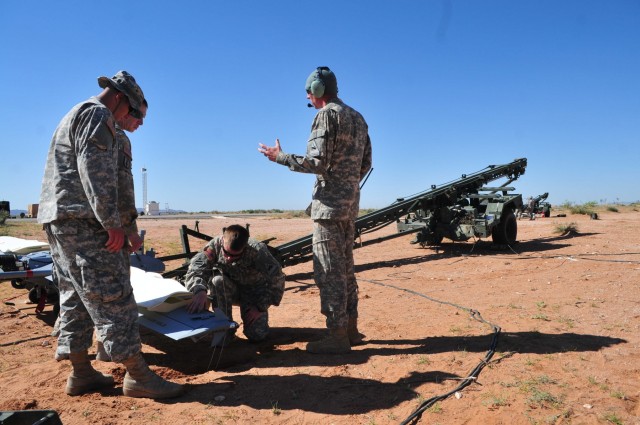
(322, 81)
(318, 85)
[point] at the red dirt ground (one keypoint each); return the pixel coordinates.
(568, 352)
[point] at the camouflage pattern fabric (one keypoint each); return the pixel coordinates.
(95, 290)
(339, 153)
(126, 84)
(333, 270)
(126, 195)
(258, 330)
(79, 200)
(126, 198)
(255, 279)
(226, 293)
(80, 178)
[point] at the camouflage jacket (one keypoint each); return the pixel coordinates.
(256, 268)
(339, 153)
(126, 195)
(81, 176)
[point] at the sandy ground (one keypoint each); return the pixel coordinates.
(568, 351)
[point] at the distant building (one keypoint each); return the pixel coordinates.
(152, 208)
(32, 210)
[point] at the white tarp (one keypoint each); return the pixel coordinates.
(18, 246)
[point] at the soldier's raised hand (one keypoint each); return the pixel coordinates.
(270, 152)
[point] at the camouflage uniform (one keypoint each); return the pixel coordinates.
(339, 153)
(126, 195)
(79, 200)
(253, 280)
(126, 198)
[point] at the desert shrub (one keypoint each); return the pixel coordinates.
(567, 205)
(566, 228)
(587, 208)
(612, 208)
(365, 211)
(292, 214)
(3, 217)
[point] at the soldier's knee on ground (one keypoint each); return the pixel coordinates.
(258, 330)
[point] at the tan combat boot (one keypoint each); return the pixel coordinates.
(337, 342)
(140, 381)
(101, 353)
(84, 377)
(355, 337)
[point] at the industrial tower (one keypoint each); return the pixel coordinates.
(144, 189)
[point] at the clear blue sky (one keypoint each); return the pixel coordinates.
(447, 87)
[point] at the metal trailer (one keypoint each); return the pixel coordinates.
(458, 210)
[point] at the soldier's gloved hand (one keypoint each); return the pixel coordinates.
(250, 314)
(199, 302)
(116, 239)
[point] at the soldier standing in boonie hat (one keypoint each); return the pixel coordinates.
(79, 202)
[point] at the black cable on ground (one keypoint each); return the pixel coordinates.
(472, 376)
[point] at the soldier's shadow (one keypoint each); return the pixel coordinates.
(357, 395)
(283, 349)
(335, 395)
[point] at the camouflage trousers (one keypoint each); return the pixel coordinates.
(95, 291)
(226, 293)
(333, 270)
(56, 326)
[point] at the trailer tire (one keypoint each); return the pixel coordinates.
(34, 296)
(17, 284)
(506, 232)
(430, 239)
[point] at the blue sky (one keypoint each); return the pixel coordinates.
(447, 87)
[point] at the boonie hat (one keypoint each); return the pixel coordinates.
(124, 83)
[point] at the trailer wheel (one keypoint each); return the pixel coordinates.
(431, 240)
(506, 231)
(34, 295)
(17, 284)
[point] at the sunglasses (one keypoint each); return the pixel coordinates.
(229, 254)
(132, 111)
(135, 113)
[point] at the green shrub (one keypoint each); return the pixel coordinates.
(587, 208)
(567, 205)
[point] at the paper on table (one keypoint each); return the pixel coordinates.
(156, 293)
